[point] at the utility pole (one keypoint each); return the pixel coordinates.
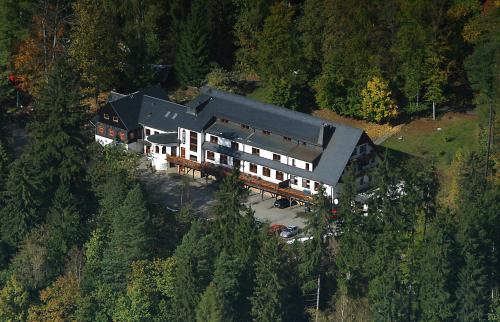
(490, 125)
(317, 297)
(433, 111)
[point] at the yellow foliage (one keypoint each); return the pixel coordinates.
(58, 301)
(377, 104)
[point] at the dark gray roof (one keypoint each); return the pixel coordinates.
(241, 109)
(163, 138)
(163, 115)
(257, 160)
(335, 157)
(333, 142)
(113, 96)
(268, 142)
(128, 108)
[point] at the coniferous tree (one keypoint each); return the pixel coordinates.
(24, 201)
(57, 140)
(279, 56)
(249, 21)
(315, 252)
(210, 307)
(436, 271)
(228, 209)
(129, 238)
(311, 27)
(193, 54)
(268, 298)
(354, 243)
(193, 272)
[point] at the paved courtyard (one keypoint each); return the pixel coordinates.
(171, 190)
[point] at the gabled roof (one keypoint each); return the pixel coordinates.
(163, 115)
(127, 109)
(330, 144)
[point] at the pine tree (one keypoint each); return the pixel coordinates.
(268, 298)
(130, 237)
(193, 54)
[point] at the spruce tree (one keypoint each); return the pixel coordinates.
(193, 54)
(57, 139)
(268, 298)
(210, 307)
(354, 243)
(315, 252)
(436, 271)
(130, 237)
(24, 199)
(193, 272)
(228, 209)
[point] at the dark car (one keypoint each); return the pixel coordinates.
(284, 203)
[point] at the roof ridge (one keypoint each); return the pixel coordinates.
(300, 116)
(166, 101)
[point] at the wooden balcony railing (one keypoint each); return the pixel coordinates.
(248, 180)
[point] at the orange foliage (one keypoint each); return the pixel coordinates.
(37, 53)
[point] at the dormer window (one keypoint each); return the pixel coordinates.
(286, 138)
(244, 126)
(214, 139)
(224, 120)
(115, 119)
(106, 116)
(255, 151)
(307, 167)
(265, 132)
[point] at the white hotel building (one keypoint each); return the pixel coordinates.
(281, 151)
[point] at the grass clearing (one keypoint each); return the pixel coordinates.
(261, 93)
(421, 138)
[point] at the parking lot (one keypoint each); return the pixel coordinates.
(169, 189)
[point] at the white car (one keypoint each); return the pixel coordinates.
(289, 231)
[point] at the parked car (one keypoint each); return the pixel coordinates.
(276, 229)
(284, 203)
(289, 231)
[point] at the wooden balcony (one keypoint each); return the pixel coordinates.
(207, 168)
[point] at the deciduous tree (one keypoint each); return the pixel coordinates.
(377, 104)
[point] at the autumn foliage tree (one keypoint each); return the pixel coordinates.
(44, 44)
(377, 104)
(94, 46)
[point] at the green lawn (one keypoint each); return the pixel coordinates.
(423, 139)
(261, 93)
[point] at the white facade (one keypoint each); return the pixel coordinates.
(103, 140)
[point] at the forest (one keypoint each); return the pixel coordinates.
(81, 240)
